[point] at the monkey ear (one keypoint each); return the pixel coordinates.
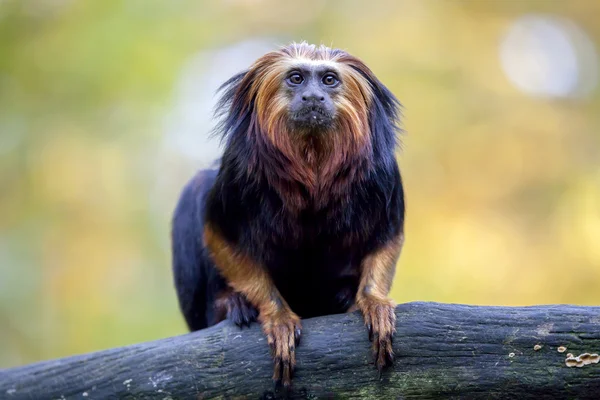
(234, 106)
(228, 91)
(386, 99)
(384, 114)
(384, 104)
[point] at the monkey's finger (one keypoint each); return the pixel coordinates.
(368, 324)
(375, 328)
(245, 312)
(277, 370)
(292, 350)
(378, 322)
(375, 348)
(287, 374)
(234, 310)
(235, 317)
(387, 318)
(389, 352)
(252, 314)
(385, 353)
(271, 342)
(381, 354)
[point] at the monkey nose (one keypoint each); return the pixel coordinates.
(315, 98)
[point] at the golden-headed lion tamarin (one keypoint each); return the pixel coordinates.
(304, 216)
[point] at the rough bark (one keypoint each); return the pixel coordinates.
(443, 351)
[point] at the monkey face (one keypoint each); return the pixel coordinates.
(311, 90)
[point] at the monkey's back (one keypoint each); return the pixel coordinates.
(196, 280)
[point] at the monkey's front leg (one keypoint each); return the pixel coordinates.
(372, 299)
(280, 324)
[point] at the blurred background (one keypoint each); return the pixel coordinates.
(105, 108)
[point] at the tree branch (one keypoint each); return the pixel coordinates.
(443, 351)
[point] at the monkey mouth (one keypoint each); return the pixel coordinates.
(312, 116)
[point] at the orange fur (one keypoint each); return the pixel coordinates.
(378, 269)
(372, 299)
(348, 141)
(280, 324)
(244, 275)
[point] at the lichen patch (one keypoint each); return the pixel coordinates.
(544, 329)
(581, 360)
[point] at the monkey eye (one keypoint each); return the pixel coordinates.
(330, 80)
(295, 79)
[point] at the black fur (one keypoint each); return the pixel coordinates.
(313, 257)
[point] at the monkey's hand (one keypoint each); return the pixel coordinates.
(380, 320)
(283, 331)
(239, 310)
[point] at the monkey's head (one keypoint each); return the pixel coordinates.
(314, 114)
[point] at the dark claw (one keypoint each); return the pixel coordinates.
(297, 335)
(277, 371)
(370, 328)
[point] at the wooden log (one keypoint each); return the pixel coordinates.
(443, 351)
